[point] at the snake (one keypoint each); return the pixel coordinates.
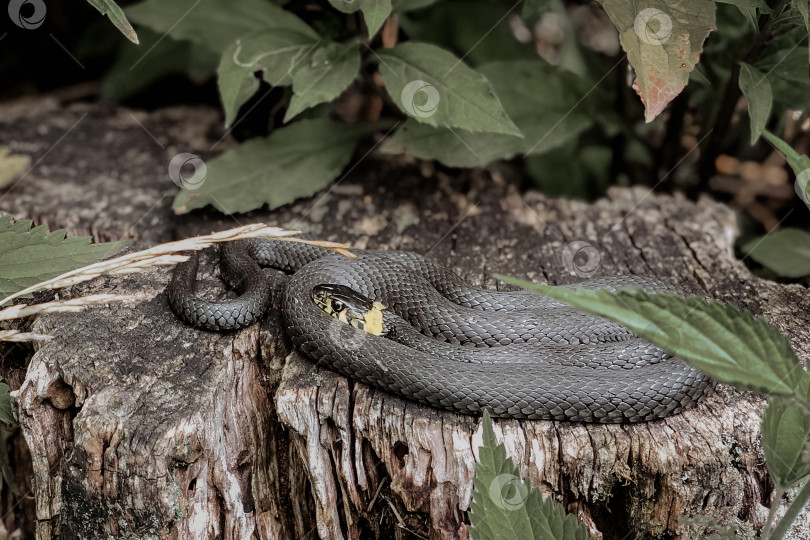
(403, 323)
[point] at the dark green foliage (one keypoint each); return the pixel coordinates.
(505, 507)
(732, 346)
(29, 256)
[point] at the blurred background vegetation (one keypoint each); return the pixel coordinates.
(576, 89)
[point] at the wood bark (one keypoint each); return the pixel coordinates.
(139, 426)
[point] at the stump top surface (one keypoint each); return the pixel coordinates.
(154, 385)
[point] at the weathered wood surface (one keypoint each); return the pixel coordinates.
(142, 427)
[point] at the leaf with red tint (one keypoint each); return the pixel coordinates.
(663, 41)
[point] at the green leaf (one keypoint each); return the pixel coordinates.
(29, 256)
(236, 85)
(663, 40)
(375, 12)
(752, 16)
(277, 54)
(504, 506)
(117, 17)
(318, 71)
(436, 88)
(5, 404)
(728, 344)
(786, 438)
(761, 5)
(215, 24)
(800, 164)
(545, 101)
(786, 252)
(477, 40)
(784, 61)
(750, 9)
(294, 161)
(330, 71)
(757, 90)
(345, 6)
(789, 64)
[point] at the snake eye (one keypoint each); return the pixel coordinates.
(337, 305)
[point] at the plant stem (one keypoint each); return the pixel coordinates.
(791, 514)
(731, 95)
(668, 154)
(775, 502)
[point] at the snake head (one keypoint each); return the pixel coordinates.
(350, 307)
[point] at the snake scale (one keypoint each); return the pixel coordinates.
(447, 344)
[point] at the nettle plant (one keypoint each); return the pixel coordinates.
(447, 80)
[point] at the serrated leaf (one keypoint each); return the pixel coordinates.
(726, 343)
(545, 101)
(663, 40)
(757, 90)
(294, 161)
(117, 17)
(274, 53)
(786, 252)
(324, 76)
(436, 88)
(786, 439)
(504, 506)
(29, 256)
(215, 24)
(5, 404)
(374, 13)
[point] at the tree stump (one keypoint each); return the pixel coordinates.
(140, 426)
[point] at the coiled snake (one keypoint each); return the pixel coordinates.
(403, 323)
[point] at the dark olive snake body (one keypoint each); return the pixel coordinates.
(451, 345)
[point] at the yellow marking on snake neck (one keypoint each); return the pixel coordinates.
(374, 319)
(370, 321)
